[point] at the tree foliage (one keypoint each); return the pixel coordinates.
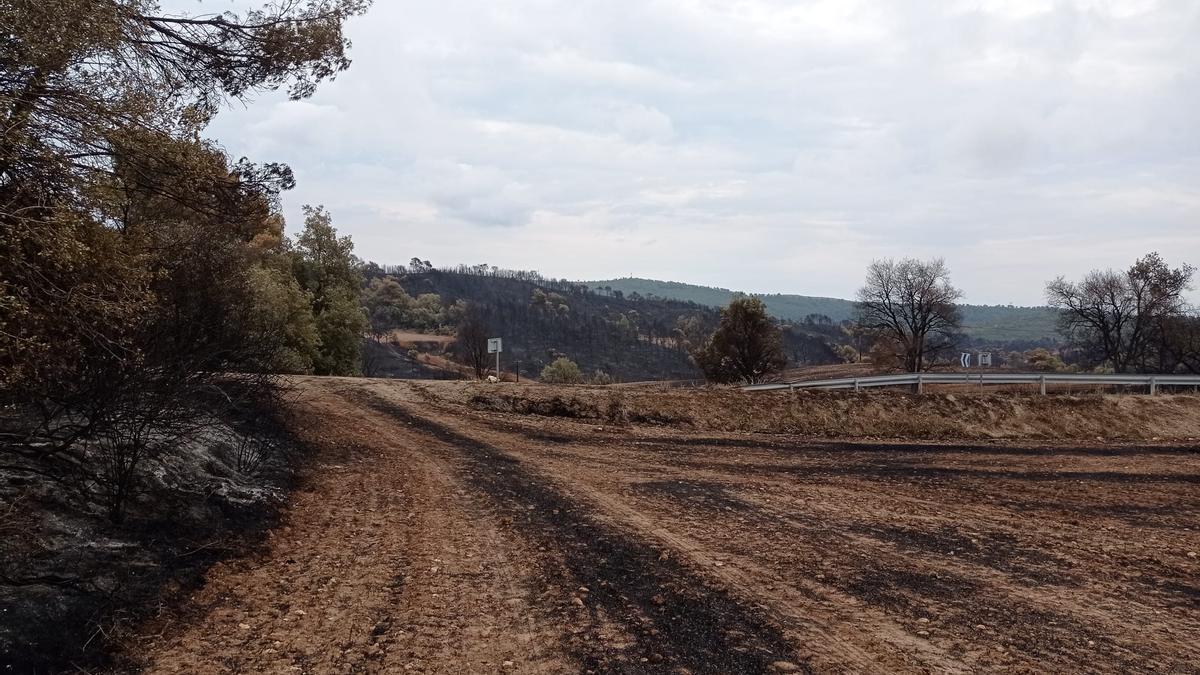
(141, 268)
(386, 304)
(325, 266)
(543, 319)
(561, 371)
(80, 73)
(389, 307)
(1040, 360)
(1131, 320)
(909, 305)
(746, 346)
(282, 312)
(985, 323)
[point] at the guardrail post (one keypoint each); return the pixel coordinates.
(856, 384)
(1042, 381)
(1153, 386)
(920, 383)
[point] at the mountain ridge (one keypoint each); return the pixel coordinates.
(994, 323)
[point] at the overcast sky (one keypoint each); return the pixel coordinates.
(759, 145)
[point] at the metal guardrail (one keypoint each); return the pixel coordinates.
(919, 380)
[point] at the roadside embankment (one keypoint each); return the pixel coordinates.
(881, 414)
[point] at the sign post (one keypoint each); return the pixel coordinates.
(495, 347)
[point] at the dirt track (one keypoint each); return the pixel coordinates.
(431, 537)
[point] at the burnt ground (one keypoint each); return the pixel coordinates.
(437, 537)
(74, 585)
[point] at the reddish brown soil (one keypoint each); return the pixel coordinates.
(432, 536)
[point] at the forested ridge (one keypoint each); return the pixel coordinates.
(985, 323)
(627, 338)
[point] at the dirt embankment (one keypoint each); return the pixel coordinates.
(892, 415)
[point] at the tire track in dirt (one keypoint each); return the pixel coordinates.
(674, 619)
(382, 563)
(828, 635)
(1039, 608)
(1020, 593)
(833, 631)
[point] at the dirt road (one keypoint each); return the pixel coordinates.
(432, 537)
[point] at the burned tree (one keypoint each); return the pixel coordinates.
(471, 339)
(1125, 318)
(910, 304)
(746, 347)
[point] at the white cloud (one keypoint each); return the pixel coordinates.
(765, 144)
(480, 195)
(642, 123)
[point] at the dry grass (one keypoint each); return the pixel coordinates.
(411, 340)
(847, 414)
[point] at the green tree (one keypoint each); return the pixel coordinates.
(847, 353)
(688, 333)
(79, 72)
(325, 261)
(426, 312)
(387, 305)
(340, 327)
(562, 371)
(746, 346)
(601, 378)
(282, 309)
(325, 266)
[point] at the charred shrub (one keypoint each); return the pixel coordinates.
(555, 406)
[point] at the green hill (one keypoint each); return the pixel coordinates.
(998, 323)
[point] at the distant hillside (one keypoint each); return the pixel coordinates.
(541, 319)
(993, 323)
(631, 338)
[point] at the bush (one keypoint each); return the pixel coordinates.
(601, 377)
(1043, 360)
(562, 371)
(847, 353)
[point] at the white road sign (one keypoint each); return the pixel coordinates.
(494, 346)
(965, 360)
